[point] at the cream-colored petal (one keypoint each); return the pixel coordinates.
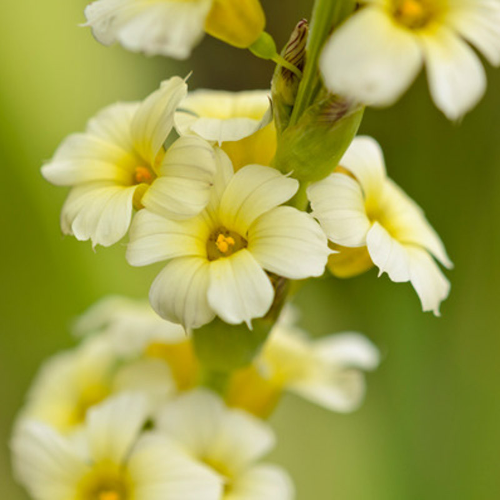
(170, 29)
(456, 76)
(409, 225)
(154, 119)
(388, 254)
(179, 292)
(160, 470)
(365, 160)
(251, 192)
(186, 177)
(239, 289)
(223, 174)
(262, 482)
(45, 463)
(289, 243)
(429, 282)
(154, 238)
(114, 426)
(478, 22)
(100, 212)
(339, 206)
(370, 59)
(206, 429)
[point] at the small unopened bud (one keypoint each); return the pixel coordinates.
(285, 82)
(312, 148)
(236, 22)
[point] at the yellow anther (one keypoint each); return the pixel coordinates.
(143, 175)
(412, 9)
(109, 495)
(224, 243)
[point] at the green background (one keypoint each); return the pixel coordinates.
(430, 426)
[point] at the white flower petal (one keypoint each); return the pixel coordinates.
(348, 350)
(160, 471)
(388, 254)
(429, 282)
(370, 59)
(113, 427)
(478, 22)
(289, 243)
(239, 289)
(186, 177)
(45, 462)
(339, 206)
(154, 119)
(99, 211)
(456, 76)
(208, 430)
(262, 482)
(154, 238)
(251, 192)
(179, 292)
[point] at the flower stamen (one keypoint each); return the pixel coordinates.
(142, 175)
(224, 243)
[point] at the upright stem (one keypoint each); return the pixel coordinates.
(326, 14)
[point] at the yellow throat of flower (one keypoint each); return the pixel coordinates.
(106, 481)
(224, 243)
(417, 14)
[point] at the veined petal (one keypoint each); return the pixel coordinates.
(251, 192)
(289, 243)
(223, 174)
(429, 282)
(370, 59)
(179, 292)
(456, 76)
(365, 160)
(45, 463)
(409, 225)
(160, 470)
(263, 482)
(154, 238)
(98, 211)
(113, 427)
(186, 177)
(478, 22)
(85, 158)
(239, 288)
(387, 254)
(154, 119)
(347, 350)
(339, 206)
(206, 429)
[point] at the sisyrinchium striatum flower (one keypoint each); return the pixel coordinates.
(120, 163)
(375, 223)
(218, 260)
(377, 53)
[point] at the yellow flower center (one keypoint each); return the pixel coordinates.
(106, 481)
(417, 14)
(224, 243)
(143, 175)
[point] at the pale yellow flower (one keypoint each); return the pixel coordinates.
(218, 260)
(358, 206)
(120, 163)
(377, 53)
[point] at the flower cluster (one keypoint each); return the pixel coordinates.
(243, 196)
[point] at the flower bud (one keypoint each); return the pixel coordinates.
(285, 83)
(236, 22)
(312, 148)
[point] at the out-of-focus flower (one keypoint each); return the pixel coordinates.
(218, 260)
(134, 330)
(239, 122)
(172, 27)
(229, 441)
(326, 371)
(73, 382)
(120, 163)
(377, 53)
(110, 461)
(359, 206)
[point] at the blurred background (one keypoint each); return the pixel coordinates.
(430, 425)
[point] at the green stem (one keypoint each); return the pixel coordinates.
(326, 14)
(281, 61)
